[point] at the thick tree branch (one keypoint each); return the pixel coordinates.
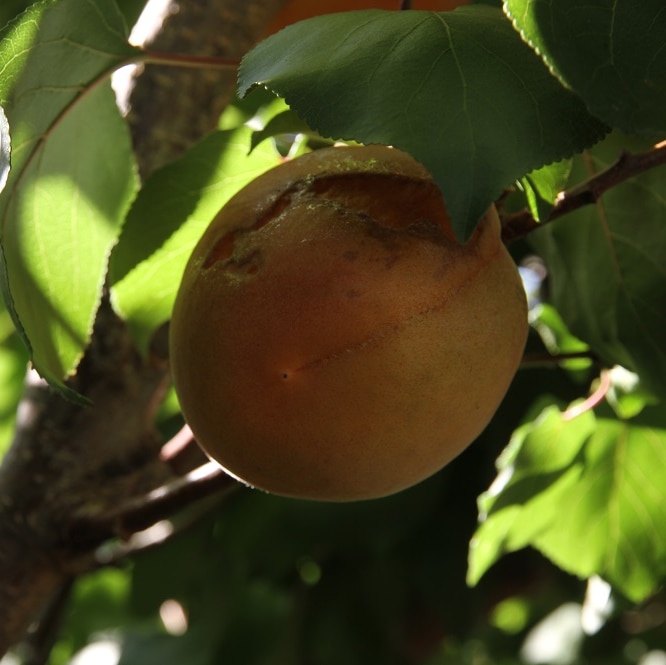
(629, 165)
(173, 107)
(69, 463)
(69, 460)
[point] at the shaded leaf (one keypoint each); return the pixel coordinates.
(588, 493)
(169, 216)
(458, 90)
(607, 270)
(609, 52)
(72, 174)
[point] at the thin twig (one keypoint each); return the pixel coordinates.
(182, 453)
(628, 165)
(142, 512)
(593, 400)
(548, 360)
(177, 444)
(187, 60)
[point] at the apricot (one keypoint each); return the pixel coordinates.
(332, 340)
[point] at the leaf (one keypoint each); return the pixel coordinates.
(588, 493)
(72, 174)
(286, 122)
(13, 362)
(542, 186)
(610, 52)
(11, 8)
(169, 216)
(626, 396)
(607, 271)
(460, 91)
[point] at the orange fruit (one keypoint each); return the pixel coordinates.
(332, 340)
(298, 10)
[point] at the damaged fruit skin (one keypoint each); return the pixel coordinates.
(332, 340)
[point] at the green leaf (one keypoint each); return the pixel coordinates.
(607, 271)
(169, 216)
(542, 186)
(460, 91)
(557, 338)
(609, 52)
(11, 8)
(626, 396)
(588, 493)
(287, 122)
(72, 174)
(13, 365)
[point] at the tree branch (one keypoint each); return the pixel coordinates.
(36, 649)
(173, 107)
(139, 513)
(597, 396)
(69, 463)
(628, 165)
(549, 360)
(69, 460)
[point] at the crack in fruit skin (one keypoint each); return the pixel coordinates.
(332, 340)
(390, 327)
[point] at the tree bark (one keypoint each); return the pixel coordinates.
(69, 461)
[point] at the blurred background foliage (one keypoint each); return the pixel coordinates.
(260, 579)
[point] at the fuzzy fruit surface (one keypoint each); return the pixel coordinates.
(332, 340)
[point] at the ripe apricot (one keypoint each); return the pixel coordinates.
(332, 340)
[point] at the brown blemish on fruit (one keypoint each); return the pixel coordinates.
(221, 250)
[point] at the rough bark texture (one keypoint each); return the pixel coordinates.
(174, 107)
(70, 461)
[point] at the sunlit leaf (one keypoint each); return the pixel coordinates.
(72, 175)
(587, 492)
(285, 123)
(542, 186)
(626, 395)
(13, 364)
(607, 270)
(458, 90)
(610, 52)
(168, 217)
